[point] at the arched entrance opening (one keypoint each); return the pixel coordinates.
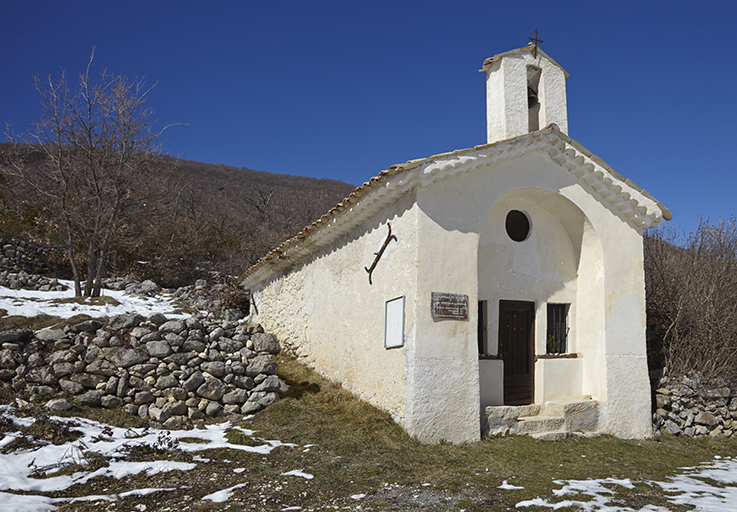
(540, 292)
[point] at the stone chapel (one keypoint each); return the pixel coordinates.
(495, 289)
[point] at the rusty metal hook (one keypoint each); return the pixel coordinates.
(389, 238)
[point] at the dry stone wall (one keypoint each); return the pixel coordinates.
(169, 370)
(18, 255)
(688, 407)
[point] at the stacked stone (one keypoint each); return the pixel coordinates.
(26, 281)
(17, 255)
(207, 298)
(688, 407)
(132, 287)
(169, 370)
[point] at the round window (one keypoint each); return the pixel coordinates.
(518, 225)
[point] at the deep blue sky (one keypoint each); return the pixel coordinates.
(344, 89)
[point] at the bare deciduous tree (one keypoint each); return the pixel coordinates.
(88, 157)
(691, 284)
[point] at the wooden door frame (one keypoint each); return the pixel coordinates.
(507, 305)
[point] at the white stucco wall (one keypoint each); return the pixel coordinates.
(579, 252)
(451, 238)
(330, 316)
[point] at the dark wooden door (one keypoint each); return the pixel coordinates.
(516, 329)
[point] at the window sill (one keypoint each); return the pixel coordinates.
(490, 356)
(574, 355)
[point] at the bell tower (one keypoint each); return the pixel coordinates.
(525, 92)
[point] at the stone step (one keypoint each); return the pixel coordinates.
(549, 436)
(503, 418)
(549, 418)
(580, 415)
(539, 424)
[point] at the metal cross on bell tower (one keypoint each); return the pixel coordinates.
(536, 41)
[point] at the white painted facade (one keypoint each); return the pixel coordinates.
(448, 215)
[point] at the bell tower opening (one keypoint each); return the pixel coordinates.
(533, 98)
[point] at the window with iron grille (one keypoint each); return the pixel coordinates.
(557, 335)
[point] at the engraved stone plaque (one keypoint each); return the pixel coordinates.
(449, 305)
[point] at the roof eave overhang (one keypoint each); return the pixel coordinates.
(640, 209)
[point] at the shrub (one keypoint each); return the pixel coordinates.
(691, 283)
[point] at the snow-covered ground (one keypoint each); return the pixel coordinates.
(31, 303)
(709, 487)
(111, 442)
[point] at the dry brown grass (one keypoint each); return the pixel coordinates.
(360, 450)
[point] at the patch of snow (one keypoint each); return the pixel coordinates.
(32, 302)
(297, 472)
(508, 486)
(16, 467)
(26, 502)
(686, 488)
(221, 496)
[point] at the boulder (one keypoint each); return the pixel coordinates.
(50, 334)
(151, 336)
(175, 408)
(705, 418)
(90, 326)
(250, 408)
(212, 389)
(159, 348)
(102, 367)
(243, 381)
(88, 380)
(126, 321)
(270, 383)
(217, 333)
(194, 381)
(156, 318)
(58, 404)
(125, 357)
(91, 398)
(213, 408)
(265, 342)
(157, 414)
(193, 345)
(214, 368)
(175, 340)
(236, 396)
(61, 356)
(110, 401)
(62, 369)
(70, 387)
(261, 364)
(143, 397)
(175, 326)
(166, 381)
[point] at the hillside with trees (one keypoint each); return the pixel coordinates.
(188, 218)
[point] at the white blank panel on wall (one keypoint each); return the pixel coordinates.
(394, 323)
